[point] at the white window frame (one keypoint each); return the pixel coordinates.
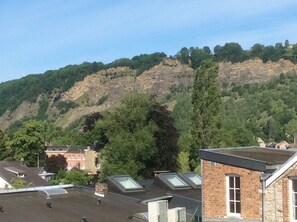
(232, 214)
(293, 203)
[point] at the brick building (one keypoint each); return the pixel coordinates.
(249, 184)
(76, 157)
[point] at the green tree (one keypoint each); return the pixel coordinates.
(257, 51)
(183, 161)
(131, 143)
(183, 55)
(139, 137)
(28, 142)
(77, 177)
(206, 103)
(18, 183)
(5, 151)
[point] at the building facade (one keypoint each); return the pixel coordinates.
(249, 184)
(76, 157)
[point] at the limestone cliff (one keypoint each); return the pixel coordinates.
(109, 86)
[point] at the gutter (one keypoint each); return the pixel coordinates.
(263, 179)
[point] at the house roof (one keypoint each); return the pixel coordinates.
(76, 149)
(155, 189)
(255, 158)
(9, 169)
(79, 202)
(65, 149)
(71, 207)
(56, 148)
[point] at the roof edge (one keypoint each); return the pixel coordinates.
(276, 174)
(233, 160)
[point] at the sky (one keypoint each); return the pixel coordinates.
(36, 36)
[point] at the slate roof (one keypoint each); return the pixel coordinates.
(255, 158)
(56, 148)
(65, 149)
(189, 198)
(76, 149)
(81, 202)
(31, 177)
(71, 207)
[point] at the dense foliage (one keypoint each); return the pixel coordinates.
(138, 134)
(206, 99)
(233, 52)
(28, 88)
(55, 163)
(141, 135)
(77, 177)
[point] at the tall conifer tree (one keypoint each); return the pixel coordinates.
(205, 118)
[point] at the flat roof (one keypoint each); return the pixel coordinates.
(256, 158)
(71, 207)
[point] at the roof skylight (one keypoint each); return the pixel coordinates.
(125, 183)
(173, 181)
(54, 191)
(192, 178)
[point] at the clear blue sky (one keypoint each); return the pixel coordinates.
(36, 36)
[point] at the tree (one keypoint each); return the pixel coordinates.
(28, 142)
(183, 55)
(197, 56)
(131, 145)
(4, 149)
(18, 183)
(77, 177)
(206, 103)
(287, 44)
(257, 51)
(140, 138)
(55, 163)
(166, 137)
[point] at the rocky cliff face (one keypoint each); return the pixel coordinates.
(111, 84)
(253, 71)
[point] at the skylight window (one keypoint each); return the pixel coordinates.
(173, 181)
(125, 183)
(192, 178)
(55, 191)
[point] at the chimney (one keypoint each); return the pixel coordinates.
(157, 211)
(177, 214)
(101, 189)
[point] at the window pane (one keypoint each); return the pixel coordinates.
(231, 182)
(237, 182)
(237, 207)
(294, 182)
(175, 180)
(238, 195)
(231, 207)
(231, 194)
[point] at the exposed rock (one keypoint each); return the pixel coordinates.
(111, 84)
(252, 71)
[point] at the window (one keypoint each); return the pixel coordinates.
(233, 195)
(173, 181)
(294, 199)
(191, 178)
(125, 183)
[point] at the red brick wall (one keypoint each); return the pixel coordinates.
(214, 191)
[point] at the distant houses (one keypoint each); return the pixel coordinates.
(11, 170)
(77, 157)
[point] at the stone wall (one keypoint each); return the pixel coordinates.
(91, 156)
(214, 198)
(277, 198)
